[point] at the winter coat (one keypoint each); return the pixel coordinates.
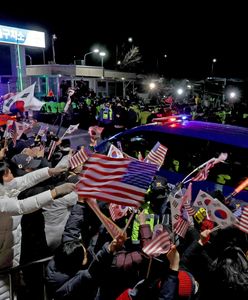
(11, 210)
(83, 284)
(56, 215)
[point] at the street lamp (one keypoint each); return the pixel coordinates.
(94, 51)
(152, 86)
(130, 39)
(30, 59)
(180, 91)
(54, 38)
(102, 54)
(214, 60)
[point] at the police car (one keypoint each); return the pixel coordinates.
(190, 144)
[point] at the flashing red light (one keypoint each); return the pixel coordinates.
(172, 119)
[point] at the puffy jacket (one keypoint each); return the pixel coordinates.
(11, 210)
(83, 284)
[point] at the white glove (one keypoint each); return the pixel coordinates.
(56, 171)
(64, 189)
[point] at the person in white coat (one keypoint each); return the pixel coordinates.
(55, 216)
(11, 210)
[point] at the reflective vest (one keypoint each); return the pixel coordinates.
(150, 219)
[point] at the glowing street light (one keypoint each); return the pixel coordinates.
(54, 38)
(152, 86)
(233, 95)
(180, 91)
(102, 54)
(214, 60)
(94, 51)
(130, 39)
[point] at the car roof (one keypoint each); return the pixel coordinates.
(221, 133)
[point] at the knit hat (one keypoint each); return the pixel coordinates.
(125, 295)
(186, 286)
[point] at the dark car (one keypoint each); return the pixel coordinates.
(190, 144)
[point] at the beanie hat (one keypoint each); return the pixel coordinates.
(186, 285)
(125, 295)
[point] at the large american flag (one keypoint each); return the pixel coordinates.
(203, 173)
(242, 222)
(156, 155)
(160, 245)
(117, 180)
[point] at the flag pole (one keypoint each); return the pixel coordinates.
(197, 169)
(149, 267)
(215, 228)
(128, 222)
(61, 138)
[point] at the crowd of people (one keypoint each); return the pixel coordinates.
(41, 215)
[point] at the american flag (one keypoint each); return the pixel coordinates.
(181, 227)
(117, 211)
(11, 131)
(186, 200)
(71, 129)
(52, 149)
(160, 245)
(203, 173)
(156, 155)
(242, 222)
(190, 210)
(116, 180)
(79, 158)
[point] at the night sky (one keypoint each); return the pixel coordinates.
(191, 35)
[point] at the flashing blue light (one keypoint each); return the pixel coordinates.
(184, 117)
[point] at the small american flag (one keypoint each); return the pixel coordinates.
(116, 180)
(203, 173)
(186, 201)
(78, 159)
(117, 211)
(156, 155)
(242, 222)
(71, 129)
(160, 245)
(11, 131)
(181, 227)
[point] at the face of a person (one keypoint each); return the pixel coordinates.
(29, 152)
(8, 176)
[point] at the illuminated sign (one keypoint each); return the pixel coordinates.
(23, 37)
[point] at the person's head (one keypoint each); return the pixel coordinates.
(187, 285)
(5, 173)
(70, 256)
(158, 193)
(25, 163)
(230, 273)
